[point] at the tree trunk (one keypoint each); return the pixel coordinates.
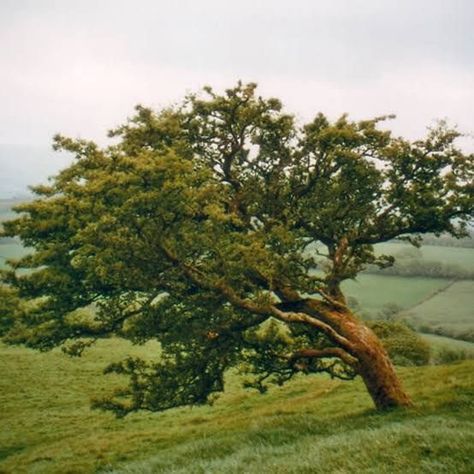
(375, 367)
(373, 363)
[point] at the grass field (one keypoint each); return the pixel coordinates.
(440, 342)
(373, 292)
(452, 308)
(312, 425)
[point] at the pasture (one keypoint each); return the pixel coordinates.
(451, 309)
(313, 424)
(438, 343)
(373, 292)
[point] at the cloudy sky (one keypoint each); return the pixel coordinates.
(79, 67)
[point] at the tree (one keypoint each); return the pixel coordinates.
(224, 230)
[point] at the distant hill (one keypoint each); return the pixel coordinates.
(25, 165)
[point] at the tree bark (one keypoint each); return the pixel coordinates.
(373, 362)
(379, 376)
(375, 367)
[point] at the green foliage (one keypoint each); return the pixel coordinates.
(426, 268)
(439, 342)
(193, 230)
(389, 311)
(10, 308)
(404, 345)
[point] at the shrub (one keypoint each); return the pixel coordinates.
(449, 356)
(404, 345)
(389, 311)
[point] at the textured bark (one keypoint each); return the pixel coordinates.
(375, 367)
(373, 362)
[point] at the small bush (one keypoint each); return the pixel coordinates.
(449, 356)
(389, 311)
(404, 345)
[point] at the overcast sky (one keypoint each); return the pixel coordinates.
(79, 66)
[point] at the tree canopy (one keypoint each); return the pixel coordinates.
(223, 229)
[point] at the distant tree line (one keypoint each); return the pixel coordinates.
(424, 268)
(439, 330)
(448, 241)
(409, 262)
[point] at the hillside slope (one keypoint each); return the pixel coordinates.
(311, 425)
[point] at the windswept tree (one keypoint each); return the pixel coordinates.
(224, 230)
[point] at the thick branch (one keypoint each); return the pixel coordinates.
(200, 279)
(328, 352)
(304, 318)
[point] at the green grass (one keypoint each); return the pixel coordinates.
(441, 342)
(451, 309)
(311, 425)
(373, 292)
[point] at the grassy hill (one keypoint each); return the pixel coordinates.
(374, 292)
(312, 425)
(450, 309)
(448, 342)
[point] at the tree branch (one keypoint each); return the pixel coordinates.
(328, 352)
(333, 335)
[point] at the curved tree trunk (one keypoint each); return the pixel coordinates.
(373, 362)
(374, 366)
(379, 375)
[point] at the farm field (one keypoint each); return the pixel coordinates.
(373, 292)
(452, 308)
(441, 342)
(313, 424)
